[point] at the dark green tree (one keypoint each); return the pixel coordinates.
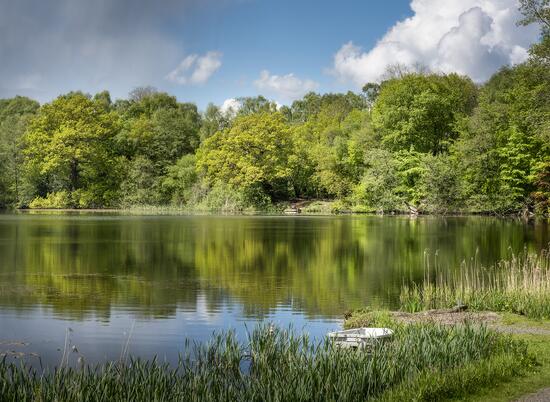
(422, 111)
(14, 116)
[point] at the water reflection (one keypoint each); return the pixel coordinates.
(103, 270)
(154, 265)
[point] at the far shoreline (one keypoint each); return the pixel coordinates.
(163, 210)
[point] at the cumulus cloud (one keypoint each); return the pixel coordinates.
(230, 107)
(472, 37)
(195, 69)
(287, 86)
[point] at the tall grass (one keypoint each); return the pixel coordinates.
(520, 284)
(282, 366)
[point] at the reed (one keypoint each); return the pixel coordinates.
(280, 365)
(520, 284)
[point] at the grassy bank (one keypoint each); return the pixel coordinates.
(279, 366)
(519, 285)
(518, 288)
(530, 380)
(496, 379)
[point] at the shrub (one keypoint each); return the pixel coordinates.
(56, 200)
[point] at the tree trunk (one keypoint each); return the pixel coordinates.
(412, 209)
(74, 175)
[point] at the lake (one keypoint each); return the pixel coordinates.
(155, 281)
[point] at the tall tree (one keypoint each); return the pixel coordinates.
(422, 111)
(14, 115)
(213, 120)
(256, 104)
(252, 155)
(157, 131)
(70, 149)
(538, 11)
(507, 138)
(160, 128)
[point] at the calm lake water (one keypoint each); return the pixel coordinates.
(159, 280)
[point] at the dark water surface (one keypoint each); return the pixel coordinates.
(157, 280)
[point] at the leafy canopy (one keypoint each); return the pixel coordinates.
(252, 154)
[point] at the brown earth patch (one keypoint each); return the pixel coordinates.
(446, 317)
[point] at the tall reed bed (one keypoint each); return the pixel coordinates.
(520, 284)
(280, 365)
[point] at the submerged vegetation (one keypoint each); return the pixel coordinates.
(519, 285)
(421, 361)
(436, 143)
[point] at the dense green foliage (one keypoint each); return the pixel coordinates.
(278, 365)
(432, 142)
(69, 153)
(14, 116)
(422, 112)
(252, 155)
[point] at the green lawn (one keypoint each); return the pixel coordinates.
(533, 380)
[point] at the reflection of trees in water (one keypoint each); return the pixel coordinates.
(80, 266)
(152, 266)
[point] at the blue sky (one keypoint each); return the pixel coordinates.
(214, 50)
(292, 37)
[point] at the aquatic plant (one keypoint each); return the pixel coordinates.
(280, 365)
(520, 284)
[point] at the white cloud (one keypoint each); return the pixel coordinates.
(472, 37)
(195, 69)
(287, 86)
(230, 107)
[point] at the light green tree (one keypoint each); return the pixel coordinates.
(70, 148)
(252, 155)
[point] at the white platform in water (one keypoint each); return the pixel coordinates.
(360, 336)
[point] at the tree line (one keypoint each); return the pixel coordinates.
(435, 142)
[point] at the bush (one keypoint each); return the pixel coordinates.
(224, 198)
(57, 200)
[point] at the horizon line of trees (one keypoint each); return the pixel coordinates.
(438, 142)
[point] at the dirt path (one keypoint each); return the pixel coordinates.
(542, 396)
(509, 329)
(448, 317)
